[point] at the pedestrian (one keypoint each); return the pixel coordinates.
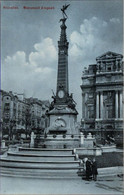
(84, 167)
(88, 169)
(94, 169)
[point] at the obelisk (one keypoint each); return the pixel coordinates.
(62, 113)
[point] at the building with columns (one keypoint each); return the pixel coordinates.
(102, 96)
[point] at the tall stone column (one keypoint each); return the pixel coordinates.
(121, 106)
(101, 105)
(97, 105)
(116, 104)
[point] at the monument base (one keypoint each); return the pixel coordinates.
(62, 120)
(59, 141)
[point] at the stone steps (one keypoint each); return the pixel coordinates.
(35, 165)
(41, 157)
(45, 150)
(42, 174)
(68, 163)
(38, 167)
(42, 163)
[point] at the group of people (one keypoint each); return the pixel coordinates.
(91, 169)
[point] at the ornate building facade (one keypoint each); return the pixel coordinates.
(20, 114)
(102, 96)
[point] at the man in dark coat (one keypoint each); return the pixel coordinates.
(88, 169)
(94, 170)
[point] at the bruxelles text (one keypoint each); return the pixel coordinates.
(25, 7)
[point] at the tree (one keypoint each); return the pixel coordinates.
(11, 130)
(27, 122)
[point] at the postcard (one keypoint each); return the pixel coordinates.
(61, 97)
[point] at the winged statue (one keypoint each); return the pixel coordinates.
(63, 10)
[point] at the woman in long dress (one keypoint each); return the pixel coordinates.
(94, 169)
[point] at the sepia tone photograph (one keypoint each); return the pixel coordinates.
(61, 97)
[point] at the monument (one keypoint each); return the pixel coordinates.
(63, 114)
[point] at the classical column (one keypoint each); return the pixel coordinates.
(116, 104)
(101, 105)
(116, 65)
(121, 106)
(69, 124)
(97, 105)
(86, 96)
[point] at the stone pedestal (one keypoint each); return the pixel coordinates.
(88, 151)
(3, 144)
(60, 141)
(63, 120)
(88, 141)
(32, 140)
(63, 131)
(82, 138)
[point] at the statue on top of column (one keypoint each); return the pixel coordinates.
(63, 11)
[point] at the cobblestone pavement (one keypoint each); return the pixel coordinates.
(108, 185)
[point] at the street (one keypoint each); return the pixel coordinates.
(107, 185)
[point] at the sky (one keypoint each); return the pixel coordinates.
(29, 43)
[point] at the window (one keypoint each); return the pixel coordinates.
(109, 111)
(7, 104)
(90, 112)
(109, 68)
